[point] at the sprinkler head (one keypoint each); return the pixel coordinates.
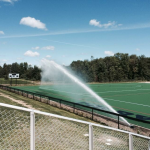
(132, 126)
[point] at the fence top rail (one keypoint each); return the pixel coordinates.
(70, 119)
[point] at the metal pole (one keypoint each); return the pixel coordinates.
(90, 137)
(92, 114)
(32, 130)
(130, 142)
(118, 121)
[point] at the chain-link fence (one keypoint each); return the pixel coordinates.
(23, 129)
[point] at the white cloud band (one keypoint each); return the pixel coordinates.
(94, 22)
(8, 1)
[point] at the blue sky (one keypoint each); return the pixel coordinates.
(68, 30)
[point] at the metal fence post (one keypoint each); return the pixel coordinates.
(90, 137)
(130, 142)
(92, 114)
(32, 130)
(118, 121)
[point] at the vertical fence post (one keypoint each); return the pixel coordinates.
(90, 137)
(92, 114)
(118, 121)
(130, 142)
(32, 130)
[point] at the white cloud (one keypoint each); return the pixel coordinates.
(96, 23)
(8, 1)
(36, 48)
(31, 54)
(48, 56)
(48, 48)
(109, 53)
(137, 49)
(32, 22)
(1, 32)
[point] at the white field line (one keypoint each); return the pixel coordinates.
(98, 92)
(114, 84)
(124, 91)
(127, 102)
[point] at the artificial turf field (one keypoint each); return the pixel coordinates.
(132, 99)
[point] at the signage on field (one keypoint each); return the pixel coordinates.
(14, 75)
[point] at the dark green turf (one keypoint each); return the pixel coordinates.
(128, 97)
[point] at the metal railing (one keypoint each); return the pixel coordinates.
(22, 128)
(90, 112)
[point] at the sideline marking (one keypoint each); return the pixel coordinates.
(123, 91)
(127, 102)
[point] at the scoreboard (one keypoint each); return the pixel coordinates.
(14, 75)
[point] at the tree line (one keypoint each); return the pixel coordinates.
(25, 70)
(120, 67)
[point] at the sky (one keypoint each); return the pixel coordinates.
(70, 30)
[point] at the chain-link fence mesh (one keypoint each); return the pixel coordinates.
(106, 139)
(140, 143)
(58, 134)
(14, 129)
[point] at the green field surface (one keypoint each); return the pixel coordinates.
(132, 99)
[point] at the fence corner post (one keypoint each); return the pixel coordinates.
(130, 141)
(90, 137)
(32, 130)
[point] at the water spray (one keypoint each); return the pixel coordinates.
(60, 68)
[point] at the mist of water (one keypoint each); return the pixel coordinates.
(52, 71)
